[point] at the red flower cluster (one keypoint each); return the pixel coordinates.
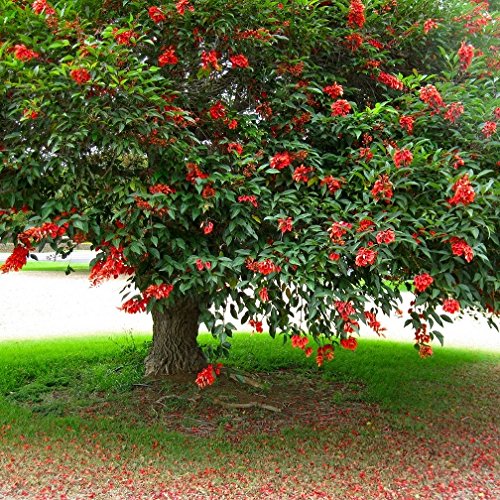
(334, 256)
(464, 192)
(42, 7)
(299, 341)
(30, 114)
(201, 265)
(265, 267)
(183, 5)
(451, 306)
(80, 76)
(263, 294)
(125, 37)
(168, 57)
(22, 53)
(465, 54)
(285, 225)
(386, 237)
(37, 234)
(159, 292)
(366, 153)
(208, 191)
(382, 188)
(338, 230)
(356, 15)
(209, 60)
(430, 95)
(324, 352)
(350, 343)
(207, 376)
(390, 80)
(430, 24)
(406, 123)
(217, 111)
(256, 325)
(301, 174)
(248, 198)
(454, 111)
(459, 247)
(402, 157)
(194, 173)
(425, 351)
(373, 323)
(365, 225)
(334, 91)
(332, 184)
(340, 108)
(489, 129)
(16, 260)
(365, 257)
(345, 309)
(239, 61)
(422, 282)
(156, 14)
(207, 227)
(161, 188)
(134, 306)
(281, 160)
(353, 41)
(112, 266)
(235, 147)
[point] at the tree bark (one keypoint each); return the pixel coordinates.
(175, 349)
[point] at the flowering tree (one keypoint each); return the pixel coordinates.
(314, 156)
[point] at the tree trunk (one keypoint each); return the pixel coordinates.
(175, 349)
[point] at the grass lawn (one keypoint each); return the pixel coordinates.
(77, 419)
(54, 266)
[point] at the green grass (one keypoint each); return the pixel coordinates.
(80, 393)
(55, 266)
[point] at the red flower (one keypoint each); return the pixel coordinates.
(365, 257)
(337, 231)
(183, 5)
(334, 91)
(217, 111)
(239, 61)
(281, 160)
(454, 111)
(112, 266)
(42, 7)
(299, 341)
(464, 192)
(208, 191)
(257, 325)
(459, 247)
(125, 37)
(235, 147)
(451, 306)
(430, 95)
(429, 24)
(285, 225)
(324, 352)
(425, 351)
(366, 153)
(422, 281)
(386, 237)
(30, 114)
(158, 291)
(353, 41)
(365, 225)
(207, 227)
(200, 265)
(161, 188)
(334, 256)
(133, 306)
(249, 199)
(156, 14)
(194, 173)
(406, 122)
(391, 81)
(373, 323)
(489, 129)
(207, 376)
(22, 53)
(168, 57)
(350, 343)
(340, 108)
(465, 54)
(264, 296)
(402, 157)
(232, 124)
(301, 174)
(265, 267)
(80, 76)
(16, 260)
(356, 15)
(332, 184)
(209, 60)
(382, 188)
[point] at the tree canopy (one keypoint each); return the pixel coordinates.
(315, 156)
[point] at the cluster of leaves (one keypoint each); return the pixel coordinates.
(262, 156)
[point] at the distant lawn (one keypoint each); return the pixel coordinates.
(375, 423)
(55, 266)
